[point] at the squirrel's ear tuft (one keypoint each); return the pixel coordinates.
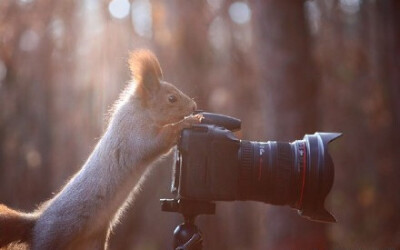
(145, 69)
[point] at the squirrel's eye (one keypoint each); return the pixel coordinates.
(172, 98)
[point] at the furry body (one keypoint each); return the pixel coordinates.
(145, 125)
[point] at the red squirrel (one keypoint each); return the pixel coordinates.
(146, 122)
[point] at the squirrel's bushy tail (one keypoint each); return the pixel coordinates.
(15, 226)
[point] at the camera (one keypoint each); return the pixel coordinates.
(212, 164)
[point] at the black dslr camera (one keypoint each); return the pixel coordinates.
(211, 164)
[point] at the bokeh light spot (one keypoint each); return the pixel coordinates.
(3, 70)
(33, 158)
(239, 12)
(313, 15)
(24, 2)
(29, 40)
(350, 6)
(215, 4)
(119, 8)
(218, 34)
(142, 18)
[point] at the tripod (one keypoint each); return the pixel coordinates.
(187, 236)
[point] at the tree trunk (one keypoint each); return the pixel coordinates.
(289, 95)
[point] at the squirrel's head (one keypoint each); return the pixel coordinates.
(163, 101)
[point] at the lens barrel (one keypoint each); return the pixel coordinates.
(299, 174)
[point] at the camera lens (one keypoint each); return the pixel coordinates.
(298, 174)
(268, 172)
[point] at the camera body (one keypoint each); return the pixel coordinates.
(212, 164)
(206, 165)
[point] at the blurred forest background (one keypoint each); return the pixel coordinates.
(285, 68)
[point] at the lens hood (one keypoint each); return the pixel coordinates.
(319, 177)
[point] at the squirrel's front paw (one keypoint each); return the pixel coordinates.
(191, 120)
(170, 132)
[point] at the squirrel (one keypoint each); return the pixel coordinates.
(145, 124)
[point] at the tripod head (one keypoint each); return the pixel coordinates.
(186, 235)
